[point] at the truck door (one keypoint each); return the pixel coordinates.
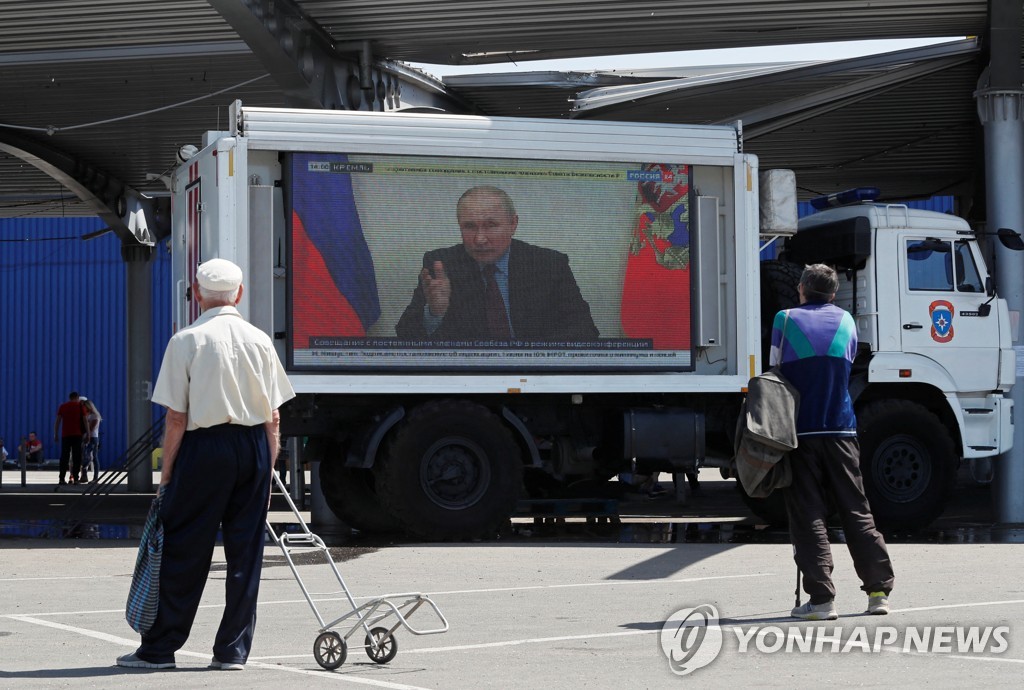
(941, 290)
(193, 241)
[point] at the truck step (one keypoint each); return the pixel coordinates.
(567, 507)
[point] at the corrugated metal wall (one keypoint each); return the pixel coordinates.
(62, 327)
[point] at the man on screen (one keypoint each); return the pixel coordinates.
(492, 287)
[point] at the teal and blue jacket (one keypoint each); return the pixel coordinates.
(816, 344)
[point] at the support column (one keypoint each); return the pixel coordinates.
(1001, 109)
(139, 349)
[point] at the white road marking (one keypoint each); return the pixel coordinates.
(982, 658)
(125, 642)
(958, 606)
(66, 577)
(628, 633)
(532, 640)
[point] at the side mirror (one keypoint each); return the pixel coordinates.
(1010, 239)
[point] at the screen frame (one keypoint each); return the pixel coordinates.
(285, 160)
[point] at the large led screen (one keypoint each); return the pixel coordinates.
(462, 263)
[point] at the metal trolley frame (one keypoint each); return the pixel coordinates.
(331, 648)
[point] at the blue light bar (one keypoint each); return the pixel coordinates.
(844, 198)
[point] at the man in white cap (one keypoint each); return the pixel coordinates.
(221, 382)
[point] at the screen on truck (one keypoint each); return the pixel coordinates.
(477, 263)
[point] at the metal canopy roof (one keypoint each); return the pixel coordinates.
(483, 31)
(75, 67)
(904, 121)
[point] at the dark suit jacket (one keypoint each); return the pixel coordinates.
(544, 301)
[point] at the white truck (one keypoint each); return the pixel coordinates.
(632, 307)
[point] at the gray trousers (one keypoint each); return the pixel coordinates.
(826, 472)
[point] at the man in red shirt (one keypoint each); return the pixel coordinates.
(70, 426)
(32, 447)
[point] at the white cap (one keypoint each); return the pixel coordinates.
(218, 275)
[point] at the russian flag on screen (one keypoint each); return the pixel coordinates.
(334, 285)
(656, 288)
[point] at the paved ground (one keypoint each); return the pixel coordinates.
(547, 606)
(527, 616)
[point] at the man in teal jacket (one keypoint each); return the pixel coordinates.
(815, 344)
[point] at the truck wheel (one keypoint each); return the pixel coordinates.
(779, 280)
(451, 470)
(351, 495)
(908, 462)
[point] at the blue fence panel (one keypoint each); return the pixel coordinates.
(62, 327)
(941, 204)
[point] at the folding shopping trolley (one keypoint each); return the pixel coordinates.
(331, 648)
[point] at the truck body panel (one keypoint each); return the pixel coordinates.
(441, 434)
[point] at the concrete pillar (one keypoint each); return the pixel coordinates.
(139, 349)
(1001, 109)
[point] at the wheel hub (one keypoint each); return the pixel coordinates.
(902, 469)
(455, 473)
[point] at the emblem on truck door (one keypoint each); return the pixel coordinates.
(941, 313)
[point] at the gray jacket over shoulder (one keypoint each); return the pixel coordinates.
(765, 433)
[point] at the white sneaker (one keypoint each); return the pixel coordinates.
(226, 665)
(132, 661)
(878, 603)
(819, 612)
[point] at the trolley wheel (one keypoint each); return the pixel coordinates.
(387, 646)
(330, 650)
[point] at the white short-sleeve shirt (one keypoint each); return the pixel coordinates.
(222, 370)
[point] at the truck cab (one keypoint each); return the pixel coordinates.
(935, 357)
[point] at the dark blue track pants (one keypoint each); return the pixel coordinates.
(221, 478)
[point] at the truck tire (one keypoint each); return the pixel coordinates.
(908, 462)
(350, 493)
(451, 470)
(779, 280)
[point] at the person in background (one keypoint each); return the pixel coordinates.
(92, 440)
(32, 447)
(69, 427)
(3, 459)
